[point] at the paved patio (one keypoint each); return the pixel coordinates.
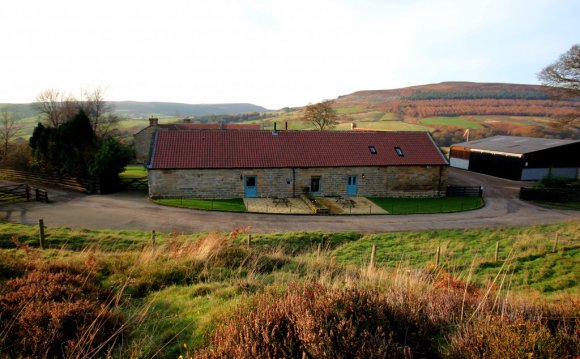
(359, 205)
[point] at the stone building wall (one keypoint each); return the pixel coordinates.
(390, 181)
(142, 140)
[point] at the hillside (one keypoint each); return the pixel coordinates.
(447, 109)
(200, 295)
(466, 98)
(136, 109)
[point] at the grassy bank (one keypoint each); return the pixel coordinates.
(428, 205)
(184, 288)
(226, 205)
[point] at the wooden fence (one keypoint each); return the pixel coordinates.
(69, 183)
(465, 191)
(21, 191)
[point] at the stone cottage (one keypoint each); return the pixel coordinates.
(234, 164)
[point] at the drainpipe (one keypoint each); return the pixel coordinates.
(440, 177)
(293, 182)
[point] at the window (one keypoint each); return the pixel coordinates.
(373, 150)
(251, 181)
(399, 151)
(315, 184)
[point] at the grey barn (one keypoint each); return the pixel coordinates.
(518, 158)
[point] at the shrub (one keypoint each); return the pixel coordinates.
(319, 322)
(497, 337)
(56, 311)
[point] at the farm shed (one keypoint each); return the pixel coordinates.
(518, 158)
(143, 138)
(233, 164)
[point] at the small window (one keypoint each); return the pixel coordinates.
(399, 151)
(315, 184)
(373, 150)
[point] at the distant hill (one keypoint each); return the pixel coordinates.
(135, 109)
(465, 98)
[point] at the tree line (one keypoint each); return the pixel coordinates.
(75, 138)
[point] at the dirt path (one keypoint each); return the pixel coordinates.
(133, 211)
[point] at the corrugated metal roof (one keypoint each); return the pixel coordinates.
(514, 144)
(190, 149)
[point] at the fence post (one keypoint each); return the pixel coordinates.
(319, 249)
(41, 232)
(36, 194)
(437, 255)
(249, 241)
(555, 242)
(495, 257)
(27, 192)
(373, 261)
(153, 237)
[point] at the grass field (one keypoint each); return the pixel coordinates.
(177, 291)
(133, 171)
(428, 205)
(460, 122)
(227, 205)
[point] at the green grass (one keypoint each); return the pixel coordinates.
(133, 171)
(451, 121)
(528, 251)
(349, 110)
(76, 239)
(181, 315)
(428, 205)
(226, 205)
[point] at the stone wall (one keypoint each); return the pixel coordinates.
(391, 181)
(142, 140)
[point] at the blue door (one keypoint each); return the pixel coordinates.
(250, 186)
(351, 186)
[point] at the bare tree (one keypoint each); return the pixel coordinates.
(564, 73)
(9, 130)
(56, 106)
(100, 112)
(322, 115)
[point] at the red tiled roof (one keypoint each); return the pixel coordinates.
(261, 149)
(209, 126)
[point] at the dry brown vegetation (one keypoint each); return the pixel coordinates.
(421, 315)
(57, 311)
(278, 298)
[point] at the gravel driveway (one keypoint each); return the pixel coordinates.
(132, 210)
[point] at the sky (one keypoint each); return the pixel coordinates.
(273, 53)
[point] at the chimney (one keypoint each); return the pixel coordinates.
(286, 125)
(352, 126)
(187, 120)
(153, 121)
(275, 132)
(222, 126)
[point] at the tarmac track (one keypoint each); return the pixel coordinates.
(132, 210)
